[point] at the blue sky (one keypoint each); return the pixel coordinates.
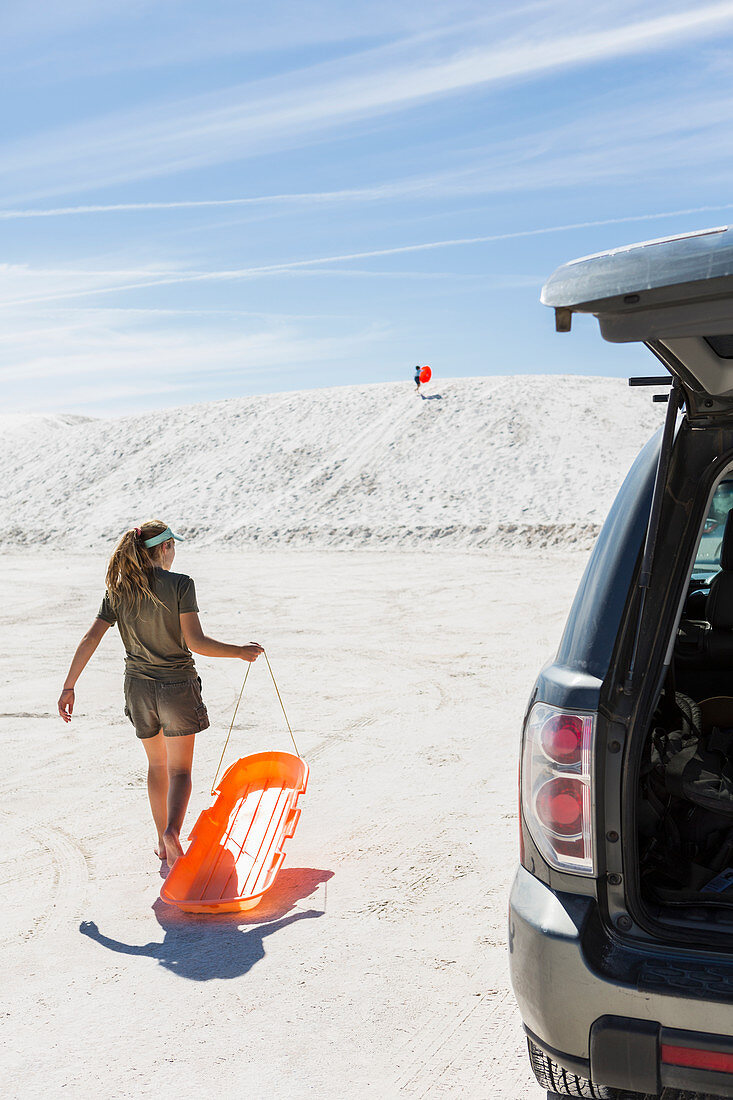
(204, 201)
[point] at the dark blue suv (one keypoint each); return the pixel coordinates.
(621, 912)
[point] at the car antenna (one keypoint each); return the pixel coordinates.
(650, 543)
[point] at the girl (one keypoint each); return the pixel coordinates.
(157, 615)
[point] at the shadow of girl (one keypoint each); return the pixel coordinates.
(205, 947)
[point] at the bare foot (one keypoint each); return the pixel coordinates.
(172, 843)
(160, 850)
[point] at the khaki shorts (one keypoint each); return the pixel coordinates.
(177, 709)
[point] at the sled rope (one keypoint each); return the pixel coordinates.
(292, 738)
(239, 700)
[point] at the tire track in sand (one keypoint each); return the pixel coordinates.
(477, 1048)
(71, 875)
(477, 1052)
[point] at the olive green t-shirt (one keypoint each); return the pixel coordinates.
(154, 645)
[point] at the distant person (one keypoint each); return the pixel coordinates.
(157, 615)
(418, 368)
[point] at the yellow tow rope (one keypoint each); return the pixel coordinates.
(239, 700)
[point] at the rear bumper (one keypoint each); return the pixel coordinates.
(630, 1055)
(605, 1011)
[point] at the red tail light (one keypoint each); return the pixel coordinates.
(557, 793)
(561, 738)
(559, 805)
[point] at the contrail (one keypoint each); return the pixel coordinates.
(295, 265)
(365, 193)
(192, 204)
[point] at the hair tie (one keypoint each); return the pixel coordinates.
(138, 531)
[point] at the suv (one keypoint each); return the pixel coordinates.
(621, 912)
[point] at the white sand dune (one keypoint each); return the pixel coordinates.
(477, 462)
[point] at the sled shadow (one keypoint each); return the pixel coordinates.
(223, 945)
(431, 396)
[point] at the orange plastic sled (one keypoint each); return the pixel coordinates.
(237, 845)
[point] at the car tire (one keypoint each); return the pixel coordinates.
(560, 1082)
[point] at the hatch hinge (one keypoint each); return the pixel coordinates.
(646, 380)
(650, 543)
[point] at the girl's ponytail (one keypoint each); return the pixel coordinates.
(130, 569)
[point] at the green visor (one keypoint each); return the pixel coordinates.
(162, 537)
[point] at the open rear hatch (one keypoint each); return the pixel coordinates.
(674, 295)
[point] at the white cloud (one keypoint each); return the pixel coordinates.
(148, 34)
(23, 282)
(107, 361)
(300, 107)
(668, 134)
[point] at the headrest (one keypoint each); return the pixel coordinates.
(726, 551)
(719, 608)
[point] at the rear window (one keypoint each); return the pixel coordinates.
(707, 560)
(590, 633)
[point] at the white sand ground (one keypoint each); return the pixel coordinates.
(377, 965)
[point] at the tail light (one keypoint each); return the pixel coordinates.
(557, 788)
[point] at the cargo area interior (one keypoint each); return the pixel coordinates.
(685, 798)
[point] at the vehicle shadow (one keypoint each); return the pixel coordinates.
(225, 945)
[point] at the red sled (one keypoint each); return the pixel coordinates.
(237, 844)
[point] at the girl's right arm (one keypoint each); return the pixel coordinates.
(84, 650)
(198, 642)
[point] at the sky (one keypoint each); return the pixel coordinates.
(206, 201)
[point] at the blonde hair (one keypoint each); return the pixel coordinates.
(130, 569)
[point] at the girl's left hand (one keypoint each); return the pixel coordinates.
(66, 704)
